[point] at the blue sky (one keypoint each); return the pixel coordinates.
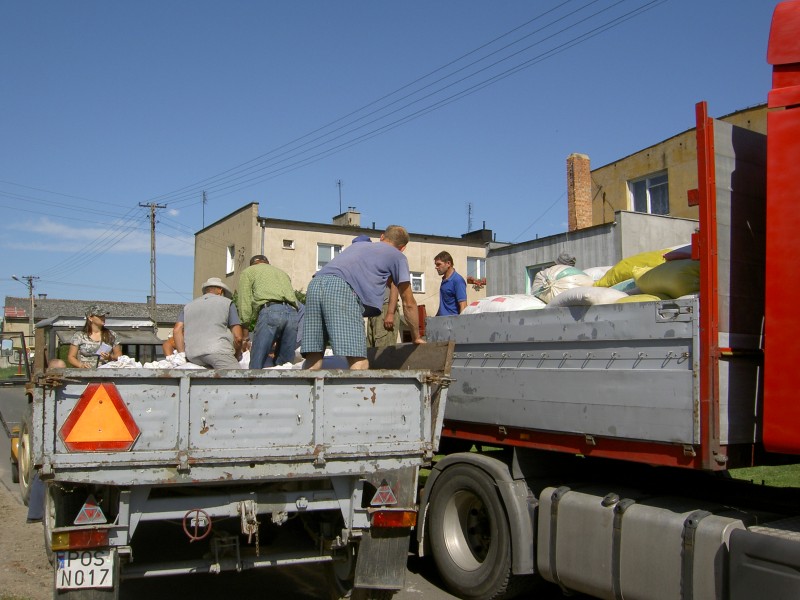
(422, 108)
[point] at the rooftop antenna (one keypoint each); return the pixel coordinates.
(469, 217)
(205, 200)
(339, 184)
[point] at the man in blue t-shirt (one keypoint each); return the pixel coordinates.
(349, 288)
(453, 291)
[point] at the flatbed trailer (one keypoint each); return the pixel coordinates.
(154, 472)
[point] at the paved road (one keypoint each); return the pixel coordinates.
(298, 583)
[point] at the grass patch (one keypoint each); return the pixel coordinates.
(780, 476)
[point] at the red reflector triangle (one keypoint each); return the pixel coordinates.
(383, 496)
(90, 513)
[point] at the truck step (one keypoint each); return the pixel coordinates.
(787, 529)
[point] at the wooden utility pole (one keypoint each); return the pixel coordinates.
(151, 301)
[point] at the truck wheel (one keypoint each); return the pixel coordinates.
(49, 522)
(24, 458)
(340, 577)
(469, 535)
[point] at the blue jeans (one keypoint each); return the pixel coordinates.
(276, 323)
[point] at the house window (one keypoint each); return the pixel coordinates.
(230, 255)
(288, 244)
(417, 282)
(476, 268)
(325, 254)
(650, 194)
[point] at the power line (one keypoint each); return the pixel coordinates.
(232, 178)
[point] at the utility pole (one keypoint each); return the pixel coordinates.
(151, 301)
(29, 279)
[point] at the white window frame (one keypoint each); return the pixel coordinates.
(418, 282)
(479, 267)
(288, 244)
(230, 259)
(649, 184)
(333, 250)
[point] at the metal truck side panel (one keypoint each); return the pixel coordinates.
(241, 425)
(740, 190)
(622, 370)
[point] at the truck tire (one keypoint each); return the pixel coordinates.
(24, 458)
(49, 522)
(469, 536)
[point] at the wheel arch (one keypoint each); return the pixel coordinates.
(517, 501)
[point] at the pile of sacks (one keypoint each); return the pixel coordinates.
(644, 277)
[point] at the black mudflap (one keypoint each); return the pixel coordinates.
(382, 557)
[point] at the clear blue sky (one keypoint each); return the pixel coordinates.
(421, 107)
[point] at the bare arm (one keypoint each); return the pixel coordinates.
(72, 357)
(410, 311)
(462, 304)
(238, 339)
(177, 335)
(388, 321)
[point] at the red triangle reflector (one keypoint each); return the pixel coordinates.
(90, 513)
(384, 496)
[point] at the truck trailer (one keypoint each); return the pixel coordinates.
(614, 427)
(161, 472)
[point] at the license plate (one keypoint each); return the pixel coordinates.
(77, 569)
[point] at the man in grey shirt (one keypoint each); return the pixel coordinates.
(208, 329)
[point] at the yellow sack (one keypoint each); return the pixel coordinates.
(675, 278)
(624, 269)
(640, 298)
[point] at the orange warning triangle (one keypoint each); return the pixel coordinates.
(99, 422)
(90, 513)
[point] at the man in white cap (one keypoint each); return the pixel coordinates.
(208, 329)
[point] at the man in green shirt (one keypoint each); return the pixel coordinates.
(267, 292)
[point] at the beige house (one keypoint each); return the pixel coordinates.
(654, 180)
(300, 248)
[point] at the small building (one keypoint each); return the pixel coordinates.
(16, 312)
(655, 180)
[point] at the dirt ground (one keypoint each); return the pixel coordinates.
(24, 570)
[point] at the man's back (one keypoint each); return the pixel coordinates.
(206, 326)
(261, 283)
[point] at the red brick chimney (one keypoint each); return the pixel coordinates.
(579, 192)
